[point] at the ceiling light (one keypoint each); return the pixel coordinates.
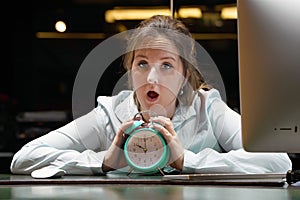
(60, 26)
(122, 13)
(189, 12)
(229, 12)
(134, 14)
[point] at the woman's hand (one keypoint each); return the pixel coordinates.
(166, 127)
(114, 158)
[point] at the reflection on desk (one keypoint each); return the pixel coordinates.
(144, 192)
(115, 187)
(275, 180)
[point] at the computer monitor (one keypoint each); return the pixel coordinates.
(269, 72)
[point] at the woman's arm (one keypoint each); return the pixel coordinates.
(235, 161)
(76, 148)
(226, 127)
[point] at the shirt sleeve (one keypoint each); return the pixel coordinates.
(235, 161)
(226, 127)
(76, 148)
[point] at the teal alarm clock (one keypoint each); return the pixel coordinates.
(145, 149)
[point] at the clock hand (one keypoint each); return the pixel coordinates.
(145, 149)
(139, 146)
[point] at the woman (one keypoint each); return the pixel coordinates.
(202, 132)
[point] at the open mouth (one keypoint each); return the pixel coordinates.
(152, 95)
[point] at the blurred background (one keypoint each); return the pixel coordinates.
(45, 42)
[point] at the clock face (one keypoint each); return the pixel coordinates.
(146, 150)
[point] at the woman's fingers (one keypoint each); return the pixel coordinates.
(114, 158)
(165, 126)
(164, 121)
(120, 136)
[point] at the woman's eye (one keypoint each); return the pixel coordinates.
(142, 65)
(167, 66)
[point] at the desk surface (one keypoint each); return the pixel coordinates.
(115, 187)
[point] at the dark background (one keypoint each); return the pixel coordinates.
(37, 74)
(40, 72)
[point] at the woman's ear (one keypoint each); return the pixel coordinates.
(186, 78)
(188, 74)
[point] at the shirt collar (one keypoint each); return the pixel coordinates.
(126, 108)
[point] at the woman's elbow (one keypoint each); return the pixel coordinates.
(19, 165)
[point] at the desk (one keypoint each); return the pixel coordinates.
(115, 187)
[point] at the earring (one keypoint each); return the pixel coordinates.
(181, 92)
(182, 86)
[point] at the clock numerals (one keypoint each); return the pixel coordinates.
(145, 151)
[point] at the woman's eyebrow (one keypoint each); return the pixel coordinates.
(163, 58)
(140, 55)
(168, 57)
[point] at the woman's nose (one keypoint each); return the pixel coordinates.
(152, 76)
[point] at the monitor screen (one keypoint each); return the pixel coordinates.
(269, 72)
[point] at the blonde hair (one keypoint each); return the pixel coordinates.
(172, 30)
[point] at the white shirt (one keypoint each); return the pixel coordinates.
(209, 130)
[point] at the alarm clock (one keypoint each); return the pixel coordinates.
(145, 149)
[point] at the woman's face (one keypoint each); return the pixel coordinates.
(157, 77)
